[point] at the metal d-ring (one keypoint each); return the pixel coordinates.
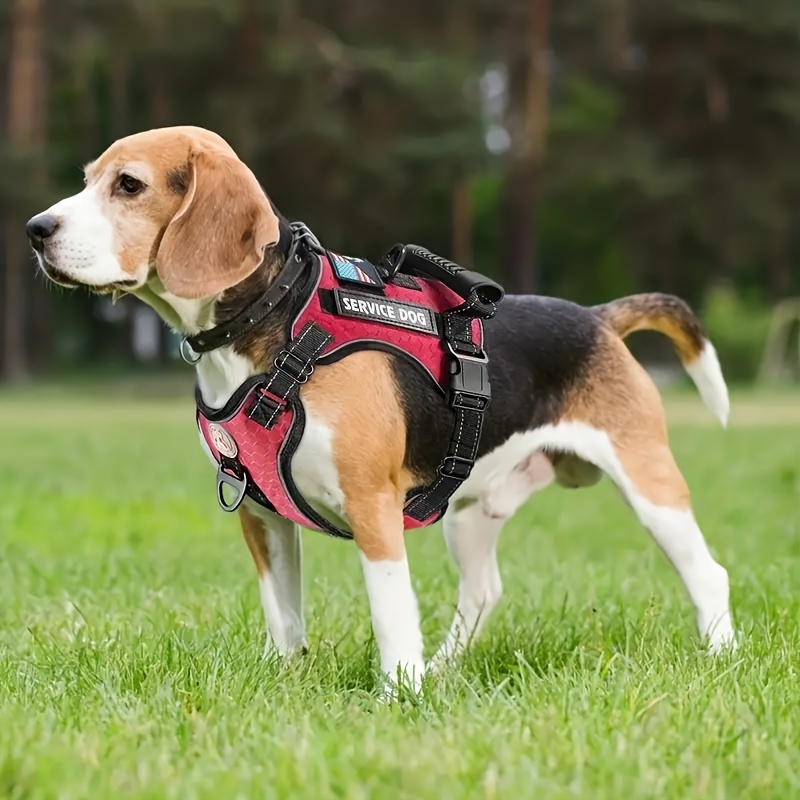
(187, 354)
(239, 485)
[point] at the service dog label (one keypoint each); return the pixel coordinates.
(381, 309)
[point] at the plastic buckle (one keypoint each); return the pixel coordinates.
(469, 381)
(282, 363)
(450, 464)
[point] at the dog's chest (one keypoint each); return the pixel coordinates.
(314, 471)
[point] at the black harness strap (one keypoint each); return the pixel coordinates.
(469, 397)
(292, 367)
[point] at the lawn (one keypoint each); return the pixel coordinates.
(131, 632)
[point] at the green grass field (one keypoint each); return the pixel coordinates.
(131, 634)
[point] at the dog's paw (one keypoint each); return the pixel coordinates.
(719, 645)
(721, 637)
(404, 682)
(283, 652)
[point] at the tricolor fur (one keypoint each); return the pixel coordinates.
(175, 218)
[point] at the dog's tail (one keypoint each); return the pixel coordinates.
(671, 316)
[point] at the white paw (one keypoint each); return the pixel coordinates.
(721, 637)
(283, 651)
(402, 681)
(444, 659)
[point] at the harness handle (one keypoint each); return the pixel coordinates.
(464, 282)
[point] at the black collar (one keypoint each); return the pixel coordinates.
(302, 243)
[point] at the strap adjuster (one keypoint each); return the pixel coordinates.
(297, 368)
(267, 409)
(456, 467)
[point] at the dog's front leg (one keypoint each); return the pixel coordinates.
(377, 523)
(274, 543)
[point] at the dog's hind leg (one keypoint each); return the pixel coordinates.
(618, 424)
(471, 532)
(657, 493)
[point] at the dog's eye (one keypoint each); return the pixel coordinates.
(129, 185)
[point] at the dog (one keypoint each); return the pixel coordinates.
(175, 218)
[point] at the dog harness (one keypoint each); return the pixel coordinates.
(413, 304)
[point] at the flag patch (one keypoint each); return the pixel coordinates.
(355, 270)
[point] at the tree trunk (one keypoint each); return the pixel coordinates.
(527, 120)
(26, 124)
(616, 35)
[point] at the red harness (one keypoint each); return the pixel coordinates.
(350, 307)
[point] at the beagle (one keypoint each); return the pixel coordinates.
(175, 218)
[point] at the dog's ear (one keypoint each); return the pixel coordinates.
(218, 235)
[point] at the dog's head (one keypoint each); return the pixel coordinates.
(173, 204)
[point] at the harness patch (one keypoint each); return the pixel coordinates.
(381, 309)
(355, 270)
(223, 441)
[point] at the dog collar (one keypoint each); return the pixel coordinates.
(303, 241)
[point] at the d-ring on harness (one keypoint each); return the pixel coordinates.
(413, 304)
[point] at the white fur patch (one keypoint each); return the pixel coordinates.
(314, 471)
(675, 530)
(220, 373)
(706, 373)
(83, 246)
(395, 619)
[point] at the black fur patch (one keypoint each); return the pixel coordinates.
(538, 348)
(178, 180)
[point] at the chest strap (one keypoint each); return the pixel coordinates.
(468, 396)
(292, 367)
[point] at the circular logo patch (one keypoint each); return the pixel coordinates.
(223, 441)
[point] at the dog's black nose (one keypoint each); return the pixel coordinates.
(40, 228)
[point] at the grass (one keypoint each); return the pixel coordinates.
(131, 633)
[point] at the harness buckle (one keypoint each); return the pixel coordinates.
(469, 381)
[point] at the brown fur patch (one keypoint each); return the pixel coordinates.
(617, 396)
(368, 447)
(664, 313)
(255, 536)
(202, 217)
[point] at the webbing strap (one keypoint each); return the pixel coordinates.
(291, 369)
(469, 398)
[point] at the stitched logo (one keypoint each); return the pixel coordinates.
(381, 309)
(223, 441)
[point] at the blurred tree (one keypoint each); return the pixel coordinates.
(25, 137)
(527, 68)
(671, 132)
